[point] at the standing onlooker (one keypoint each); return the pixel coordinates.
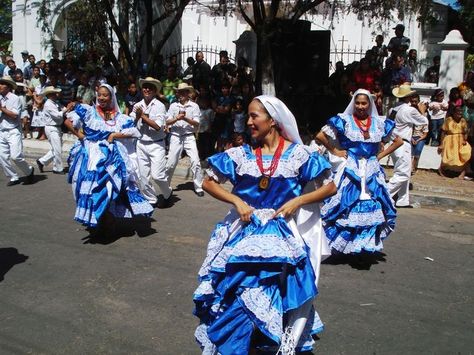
(437, 110)
(201, 71)
(364, 76)
(24, 57)
(132, 97)
(189, 70)
(150, 118)
(53, 116)
(223, 126)
(455, 98)
(11, 144)
(454, 148)
(432, 73)
(68, 93)
(420, 133)
(399, 44)
(170, 84)
(412, 63)
(239, 117)
(182, 119)
(10, 68)
(379, 52)
(28, 71)
(406, 116)
(205, 140)
(85, 93)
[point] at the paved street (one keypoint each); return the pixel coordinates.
(61, 293)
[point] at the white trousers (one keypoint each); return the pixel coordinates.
(188, 143)
(400, 181)
(152, 165)
(55, 138)
(11, 149)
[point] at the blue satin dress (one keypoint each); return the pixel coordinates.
(361, 215)
(104, 175)
(255, 272)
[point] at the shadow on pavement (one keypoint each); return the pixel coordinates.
(8, 258)
(122, 228)
(362, 261)
(185, 186)
(36, 178)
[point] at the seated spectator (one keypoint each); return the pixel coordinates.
(170, 84)
(432, 73)
(454, 148)
(364, 76)
(437, 109)
(10, 68)
(68, 92)
(223, 125)
(420, 133)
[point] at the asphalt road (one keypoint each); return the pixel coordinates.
(62, 293)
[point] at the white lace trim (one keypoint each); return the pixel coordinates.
(92, 121)
(356, 246)
(260, 246)
(201, 336)
(216, 243)
(336, 199)
(362, 219)
(329, 131)
(257, 302)
(204, 288)
(87, 186)
(143, 207)
(216, 176)
(287, 167)
(354, 134)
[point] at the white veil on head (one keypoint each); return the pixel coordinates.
(111, 90)
(283, 116)
(372, 108)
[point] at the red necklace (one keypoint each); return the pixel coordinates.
(103, 115)
(364, 128)
(267, 173)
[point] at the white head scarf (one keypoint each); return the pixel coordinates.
(372, 108)
(282, 116)
(111, 90)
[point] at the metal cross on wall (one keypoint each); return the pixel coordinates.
(197, 41)
(342, 45)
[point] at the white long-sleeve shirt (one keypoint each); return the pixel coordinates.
(12, 103)
(53, 113)
(406, 117)
(156, 111)
(182, 127)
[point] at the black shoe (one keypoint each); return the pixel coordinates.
(14, 182)
(407, 206)
(58, 172)
(40, 165)
(164, 202)
(30, 178)
(200, 193)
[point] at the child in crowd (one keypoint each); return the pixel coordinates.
(236, 140)
(132, 97)
(455, 98)
(239, 117)
(454, 149)
(223, 126)
(437, 110)
(420, 133)
(205, 141)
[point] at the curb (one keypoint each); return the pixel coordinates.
(436, 197)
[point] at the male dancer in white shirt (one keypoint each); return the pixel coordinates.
(11, 145)
(150, 117)
(406, 116)
(183, 119)
(53, 115)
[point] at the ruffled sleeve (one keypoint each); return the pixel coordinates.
(316, 168)
(337, 123)
(78, 115)
(222, 168)
(388, 128)
(129, 128)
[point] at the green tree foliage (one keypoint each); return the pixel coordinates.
(5, 24)
(466, 15)
(95, 24)
(264, 17)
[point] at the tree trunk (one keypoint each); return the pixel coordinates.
(264, 78)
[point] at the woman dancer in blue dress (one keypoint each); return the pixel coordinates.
(361, 214)
(103, 162)
(259, 277)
